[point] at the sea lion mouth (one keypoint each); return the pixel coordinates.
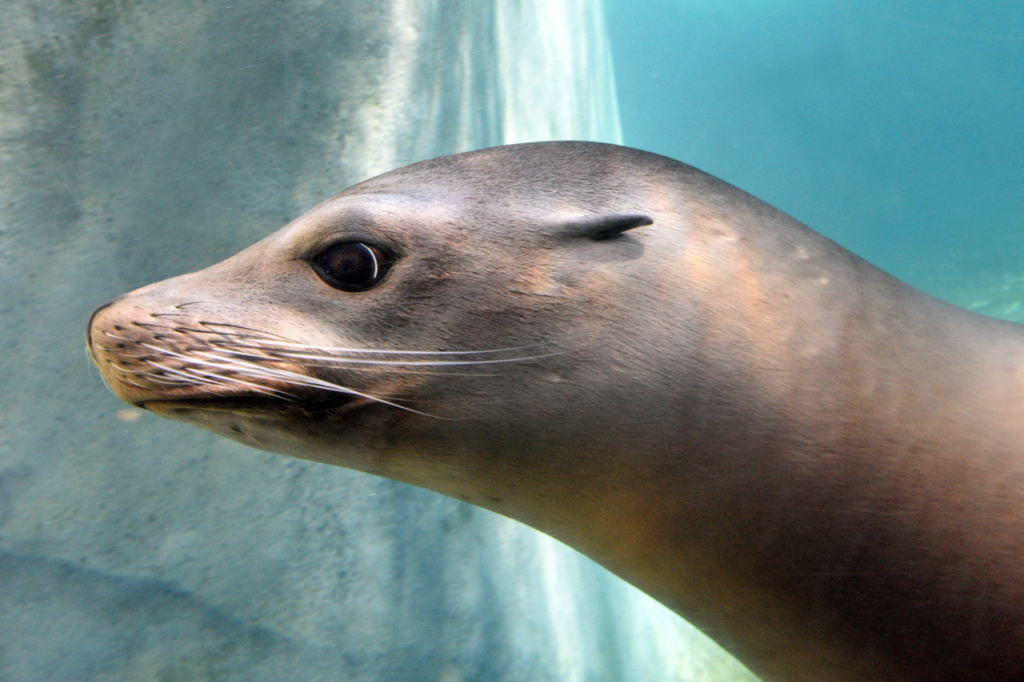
(251, 405)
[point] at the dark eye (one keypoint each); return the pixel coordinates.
(352, 266)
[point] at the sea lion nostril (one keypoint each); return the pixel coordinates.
(92, 320)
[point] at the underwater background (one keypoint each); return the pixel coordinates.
(140, 139)
(892, 126)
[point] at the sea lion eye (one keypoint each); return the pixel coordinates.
(352, 266)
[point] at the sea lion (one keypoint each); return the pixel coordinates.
(816, 464)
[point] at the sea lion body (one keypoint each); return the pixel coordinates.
(816, 464)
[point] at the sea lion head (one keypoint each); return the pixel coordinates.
(459, 302)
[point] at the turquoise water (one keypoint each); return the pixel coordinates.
(893, 127)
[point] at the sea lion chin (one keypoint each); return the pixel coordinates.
(818, 465)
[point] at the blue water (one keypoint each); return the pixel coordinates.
(894, 127)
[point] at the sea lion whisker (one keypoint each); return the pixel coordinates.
(133, 356)
(312, 382)
(193, 330)
(222, 377)
(164, 377)
(150, 325)
(208, 378)
(266, 390)
(164, 381)
(126, 380)
(125, 370)
(189, 360)
(400, 370)
(300, 347)
(103, 375)
(222, 380)
(220, 353)
(375, 366)
(107, 349)
(119, 351)
(412, 363)
(119, 338)
(206, 323)
(284, 376)
(182, 329)
(289, 355)
(398, 365)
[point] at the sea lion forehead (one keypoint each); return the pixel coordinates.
(496, 193)
(567, 169)
(369, 214)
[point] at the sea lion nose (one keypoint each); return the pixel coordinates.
(118, 339)
(91, 325)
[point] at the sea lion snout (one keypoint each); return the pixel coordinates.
(152, 349)
(142, 349)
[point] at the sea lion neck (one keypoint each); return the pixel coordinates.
(855, 517)
(835, 498)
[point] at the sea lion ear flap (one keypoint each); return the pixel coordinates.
(599, 226)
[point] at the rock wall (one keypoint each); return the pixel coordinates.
(144, 138)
